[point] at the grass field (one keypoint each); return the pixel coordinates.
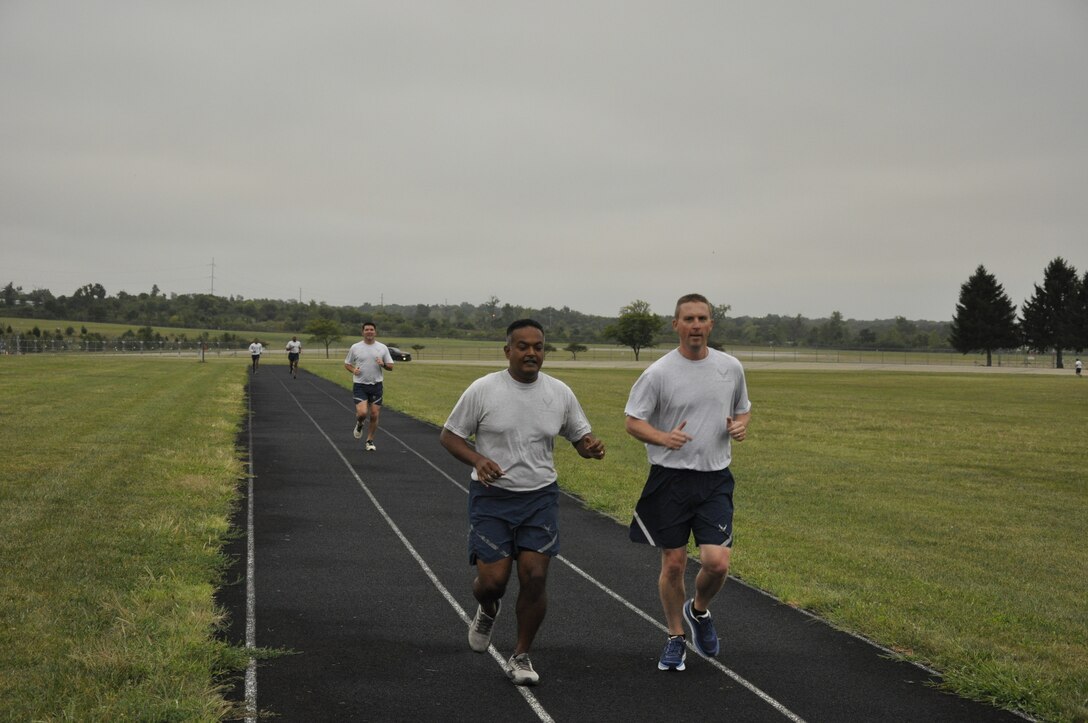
(942, 515)
(118, 478)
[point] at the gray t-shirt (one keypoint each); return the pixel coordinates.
(704, 393)
(365, 357)
(516, 424)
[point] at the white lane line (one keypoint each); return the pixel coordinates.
(531, 699)
(251, 589)
(664, 629)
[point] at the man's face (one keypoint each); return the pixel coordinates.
(525, 352)
(369, 332)
(693, 324)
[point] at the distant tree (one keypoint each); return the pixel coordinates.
(417, 348)
(985, 317)
(146, 333)
(323, 331)
(490, 312)
(574, 348)
(833, 331)
(1049, 318)
(718, 315)
(40, 298)
(866, 337)
(11, 294)
(1082, 316)
(636, 327)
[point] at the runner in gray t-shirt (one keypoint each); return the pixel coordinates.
(366, 360)
(687, 407)
(515, 416)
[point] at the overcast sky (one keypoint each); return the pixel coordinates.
(780, 157)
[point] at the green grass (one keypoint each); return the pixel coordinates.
(943, 515)
(119, 475)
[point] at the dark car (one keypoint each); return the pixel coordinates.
(399, 355)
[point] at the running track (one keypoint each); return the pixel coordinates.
(354, 569)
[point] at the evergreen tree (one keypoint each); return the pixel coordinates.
(1081, 342)
(1049, 317)
(985, 317)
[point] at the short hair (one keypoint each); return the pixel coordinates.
(687, 299)
(521, 324)
(370, 323)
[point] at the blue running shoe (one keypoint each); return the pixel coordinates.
(674, 654)
(703, 635)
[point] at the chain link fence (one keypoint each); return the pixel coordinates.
(17, 344)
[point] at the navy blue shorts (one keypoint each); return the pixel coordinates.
(502, 522)
(292, 356)
(677, 503)
(369, 393)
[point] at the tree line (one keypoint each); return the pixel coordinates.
(486, 321)
(985, 320)
(1055, 318)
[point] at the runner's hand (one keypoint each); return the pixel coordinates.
(487, 471)
(677, 438)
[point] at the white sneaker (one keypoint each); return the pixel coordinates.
(479, 630)
(520, 670)
(370, 446)
(358, 431)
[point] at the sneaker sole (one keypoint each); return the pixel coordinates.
(661, 666)
(523, 681)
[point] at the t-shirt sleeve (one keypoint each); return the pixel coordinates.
(576, 424)
(642, 399)
(741, 403)
(465, 418)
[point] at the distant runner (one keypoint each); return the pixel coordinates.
(366, 360)
(255, 350)
(294, 351)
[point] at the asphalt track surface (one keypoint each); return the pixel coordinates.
(354, 567)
